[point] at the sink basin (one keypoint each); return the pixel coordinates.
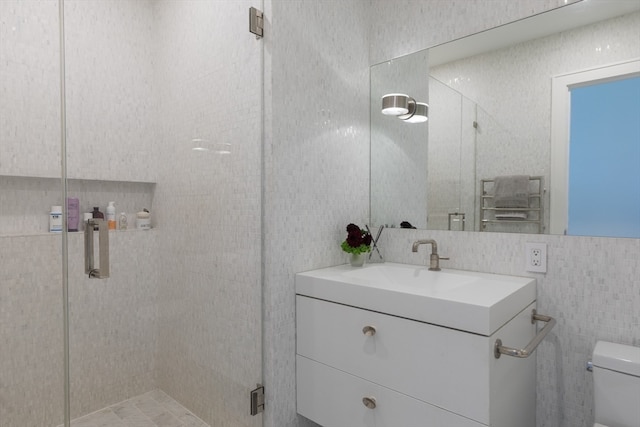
(469, 301)
(410, 279)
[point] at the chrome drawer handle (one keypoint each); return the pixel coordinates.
(369, 402)
(369, 331)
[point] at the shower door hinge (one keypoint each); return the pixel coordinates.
(257, 400)
(256, 22)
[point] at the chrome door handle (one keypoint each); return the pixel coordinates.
(103, 247)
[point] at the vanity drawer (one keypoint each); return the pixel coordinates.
(333, 398)
(445, 367)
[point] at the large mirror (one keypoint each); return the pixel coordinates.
(494, 125)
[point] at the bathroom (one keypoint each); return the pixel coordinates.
(202, 306)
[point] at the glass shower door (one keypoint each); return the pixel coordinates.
(163, 118)
(31, 327)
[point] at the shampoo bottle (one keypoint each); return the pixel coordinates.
(111, 216)
(97, 214)
(73, 213)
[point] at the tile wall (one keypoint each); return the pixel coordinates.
(316, 163)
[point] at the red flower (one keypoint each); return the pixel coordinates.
(357, 240)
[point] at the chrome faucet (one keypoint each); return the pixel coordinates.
(434, 258)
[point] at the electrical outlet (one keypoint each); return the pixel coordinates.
(536, 257)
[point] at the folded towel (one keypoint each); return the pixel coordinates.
(511, 215)
(511, 191)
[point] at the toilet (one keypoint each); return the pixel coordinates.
(616, 385)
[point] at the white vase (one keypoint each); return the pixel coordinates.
(357, 260)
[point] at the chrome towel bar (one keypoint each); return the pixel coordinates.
(499, 349)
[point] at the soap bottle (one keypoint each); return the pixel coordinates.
(143, 220)
(55, 219)
(123, 221)
(97, 214)
(111, 216)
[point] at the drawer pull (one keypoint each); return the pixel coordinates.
(369, 402)
(369, 331)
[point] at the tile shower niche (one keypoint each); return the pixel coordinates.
(26, 201)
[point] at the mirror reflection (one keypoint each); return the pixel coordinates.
(491, 121)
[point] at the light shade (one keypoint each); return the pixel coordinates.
(420, 115)
(395, 104)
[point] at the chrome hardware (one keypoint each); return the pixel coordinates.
(590, 366)
(256, 22)
(434, 258)
(499, 349)
(369, 402)
(369, 331)
(257, 400)
(103, 247)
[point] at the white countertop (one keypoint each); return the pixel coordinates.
(474, 302)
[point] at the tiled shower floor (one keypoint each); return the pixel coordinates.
(152, 409)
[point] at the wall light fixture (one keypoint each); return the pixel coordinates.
(405, 108)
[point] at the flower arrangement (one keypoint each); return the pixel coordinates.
(358, 241)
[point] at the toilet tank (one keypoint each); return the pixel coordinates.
(616, 383)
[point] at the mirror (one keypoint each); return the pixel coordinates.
(490, 116)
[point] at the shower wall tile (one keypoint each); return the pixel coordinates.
(113, 326)
(29, 88)
(110, 90)
(31, 370)
(113, 322)
(316, 164)
(208, 207)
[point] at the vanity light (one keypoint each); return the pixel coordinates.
(420, 115)
(404, 107)
(396, 104)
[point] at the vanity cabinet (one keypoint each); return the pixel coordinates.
(362, 367)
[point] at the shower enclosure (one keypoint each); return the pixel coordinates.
(152, 104)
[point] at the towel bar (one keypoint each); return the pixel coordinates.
(499, 349)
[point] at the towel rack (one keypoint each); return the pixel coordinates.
(535, 211)
(499, 349)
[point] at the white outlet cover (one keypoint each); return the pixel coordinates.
(536, 257)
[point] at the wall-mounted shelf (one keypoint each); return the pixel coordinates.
(519, 220)
(26, 200)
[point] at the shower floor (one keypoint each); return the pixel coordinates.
(152, 409)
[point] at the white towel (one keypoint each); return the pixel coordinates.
(511, 215)
(511, 191)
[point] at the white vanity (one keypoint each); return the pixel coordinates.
(395, 345)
